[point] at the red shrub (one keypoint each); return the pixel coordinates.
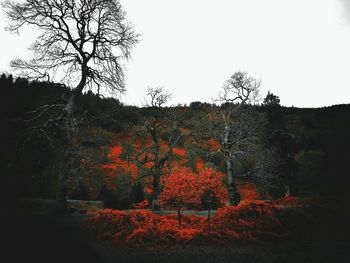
(242, 223)
(253, 221)
(143, 236)
(142, 218)
(141, 205)
(288, 200)
(107, 223)
(248, 191)
(253, 215)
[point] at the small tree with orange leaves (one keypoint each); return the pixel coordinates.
(183, 189)
(180, 191)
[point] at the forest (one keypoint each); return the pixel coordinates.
(88, 178)
(290, 176)
(309, 144)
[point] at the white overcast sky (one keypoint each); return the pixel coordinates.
(300, 49)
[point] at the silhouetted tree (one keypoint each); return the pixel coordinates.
(159, 134)
(271, 100)
(81, 43)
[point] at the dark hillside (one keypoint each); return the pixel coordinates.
(320, 153)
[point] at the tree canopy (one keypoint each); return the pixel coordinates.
(80, 41)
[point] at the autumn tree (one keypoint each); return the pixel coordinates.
(157, 134)
(180, 190)
(81, 44)
(236, 124)
(184, 189)
(211, 190)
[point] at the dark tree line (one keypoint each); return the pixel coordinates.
(27, 158)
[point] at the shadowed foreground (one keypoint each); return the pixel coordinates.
(45, 239)
(54, 238)
(285, 252)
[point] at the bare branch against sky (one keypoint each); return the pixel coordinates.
(298, 48)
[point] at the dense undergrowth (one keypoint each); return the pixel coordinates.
(255, 221)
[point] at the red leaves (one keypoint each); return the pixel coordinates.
(142, 228)
(184, 188)
(141, 205)
(253, 221)
(248, 191)
(186, 234)
(180, 189)
(254, 214)
(180, 152)
(288, 200)
(119, 164)
(210, 179)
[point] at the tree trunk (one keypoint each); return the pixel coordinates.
(234, 196)
(70, 130)
(209, 218)
(71, 133)
(156, 190)
(179, 215)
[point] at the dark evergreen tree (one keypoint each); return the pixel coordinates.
(271, 100)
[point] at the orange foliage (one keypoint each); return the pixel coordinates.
(120, 166)
(148, 190)
(180, 189)
(141, 205)
(257, 220)
(180, 152)
(138, 228)
(199, 164)
(202, 180)
(288, 200)
(252, 214)
(210, 179)
(248, 192)
(212, 144)
(117, 165)
(184, 188)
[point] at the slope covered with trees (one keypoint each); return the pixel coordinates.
(300, 151)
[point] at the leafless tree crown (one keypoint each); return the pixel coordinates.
(77, 37)
(156, 97)
(240, 88)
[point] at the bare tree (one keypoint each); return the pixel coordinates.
(81, 44)
(156, 97)
(160, 133)
(240, 89)
(235, 125)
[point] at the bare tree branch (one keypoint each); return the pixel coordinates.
(156, 97)
(240, 89)
(74, 35)
(81, 44)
